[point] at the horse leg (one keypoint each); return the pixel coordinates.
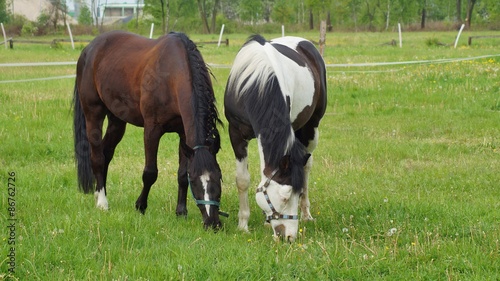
(182, 180)
(309, 137)
(152, 135)
(94, 133)
(240, 147)
(114, 134)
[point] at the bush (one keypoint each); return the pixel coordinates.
(15, 26)
(29, 29)
(42, 24)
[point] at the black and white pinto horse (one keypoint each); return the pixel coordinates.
(276, 93)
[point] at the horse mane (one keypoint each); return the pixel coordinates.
(254, 80)
(206, 116)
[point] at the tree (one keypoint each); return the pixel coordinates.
(250, 10)
(205, 8)
(459, 11)
(424, 14)
(85, 17)
(470, 8)
(282, 12)
(4, 15)
(93, 7)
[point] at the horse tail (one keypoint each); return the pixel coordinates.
(82, 146)
(204, 103)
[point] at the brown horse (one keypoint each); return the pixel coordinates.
(162, 85)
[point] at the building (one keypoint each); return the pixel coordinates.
(31, 9)
(119, 12)
(109, 11)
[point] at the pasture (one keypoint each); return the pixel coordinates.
(405, 182)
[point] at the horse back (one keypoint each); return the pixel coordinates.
(133, 75)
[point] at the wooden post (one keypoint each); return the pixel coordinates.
(322, 37)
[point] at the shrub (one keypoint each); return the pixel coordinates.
(29, 29)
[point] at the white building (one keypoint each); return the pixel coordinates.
(108, 11)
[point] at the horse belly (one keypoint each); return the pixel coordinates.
(123, 106)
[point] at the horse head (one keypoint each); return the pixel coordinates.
(205, 179)
(278, 195)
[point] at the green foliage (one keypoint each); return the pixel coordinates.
(43, 22)
(283, 12)
(29, 29)
(85, 17)
(250, 10)
(4, 15)
(432, 41)
(183, 15)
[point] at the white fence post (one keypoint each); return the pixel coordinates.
(220, 36)
(151, 32)
(71, 37)
(458, 36)
(282, 30)
(4, 36)
(400, 36)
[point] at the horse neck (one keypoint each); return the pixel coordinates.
(273, 145)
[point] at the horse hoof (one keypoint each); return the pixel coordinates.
(102, 207)
(140, 208)
(101, 201)
(243, 229)
(183, 213)
(307, 218)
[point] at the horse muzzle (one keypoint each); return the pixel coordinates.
(280, 234)
(213, 223)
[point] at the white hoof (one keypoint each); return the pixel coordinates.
(243, 228)
(101, 201)
(306, 218)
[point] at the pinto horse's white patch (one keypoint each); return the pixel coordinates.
(205, 178)
(101, 201)
(296, 82)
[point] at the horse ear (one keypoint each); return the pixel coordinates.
(306, 158)
(284, 163)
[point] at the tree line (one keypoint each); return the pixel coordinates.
(373, 15)
(206, 16)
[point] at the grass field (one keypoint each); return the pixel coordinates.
(405, 183)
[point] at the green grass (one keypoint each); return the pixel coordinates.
(405, 182)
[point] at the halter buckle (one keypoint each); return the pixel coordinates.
(276, 216)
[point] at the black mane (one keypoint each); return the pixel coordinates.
(205, 111)
(269, 115)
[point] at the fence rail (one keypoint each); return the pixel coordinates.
(479, 37)
(212, 65)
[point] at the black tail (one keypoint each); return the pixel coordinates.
(82, 147)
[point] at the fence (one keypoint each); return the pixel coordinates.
(343, 65)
